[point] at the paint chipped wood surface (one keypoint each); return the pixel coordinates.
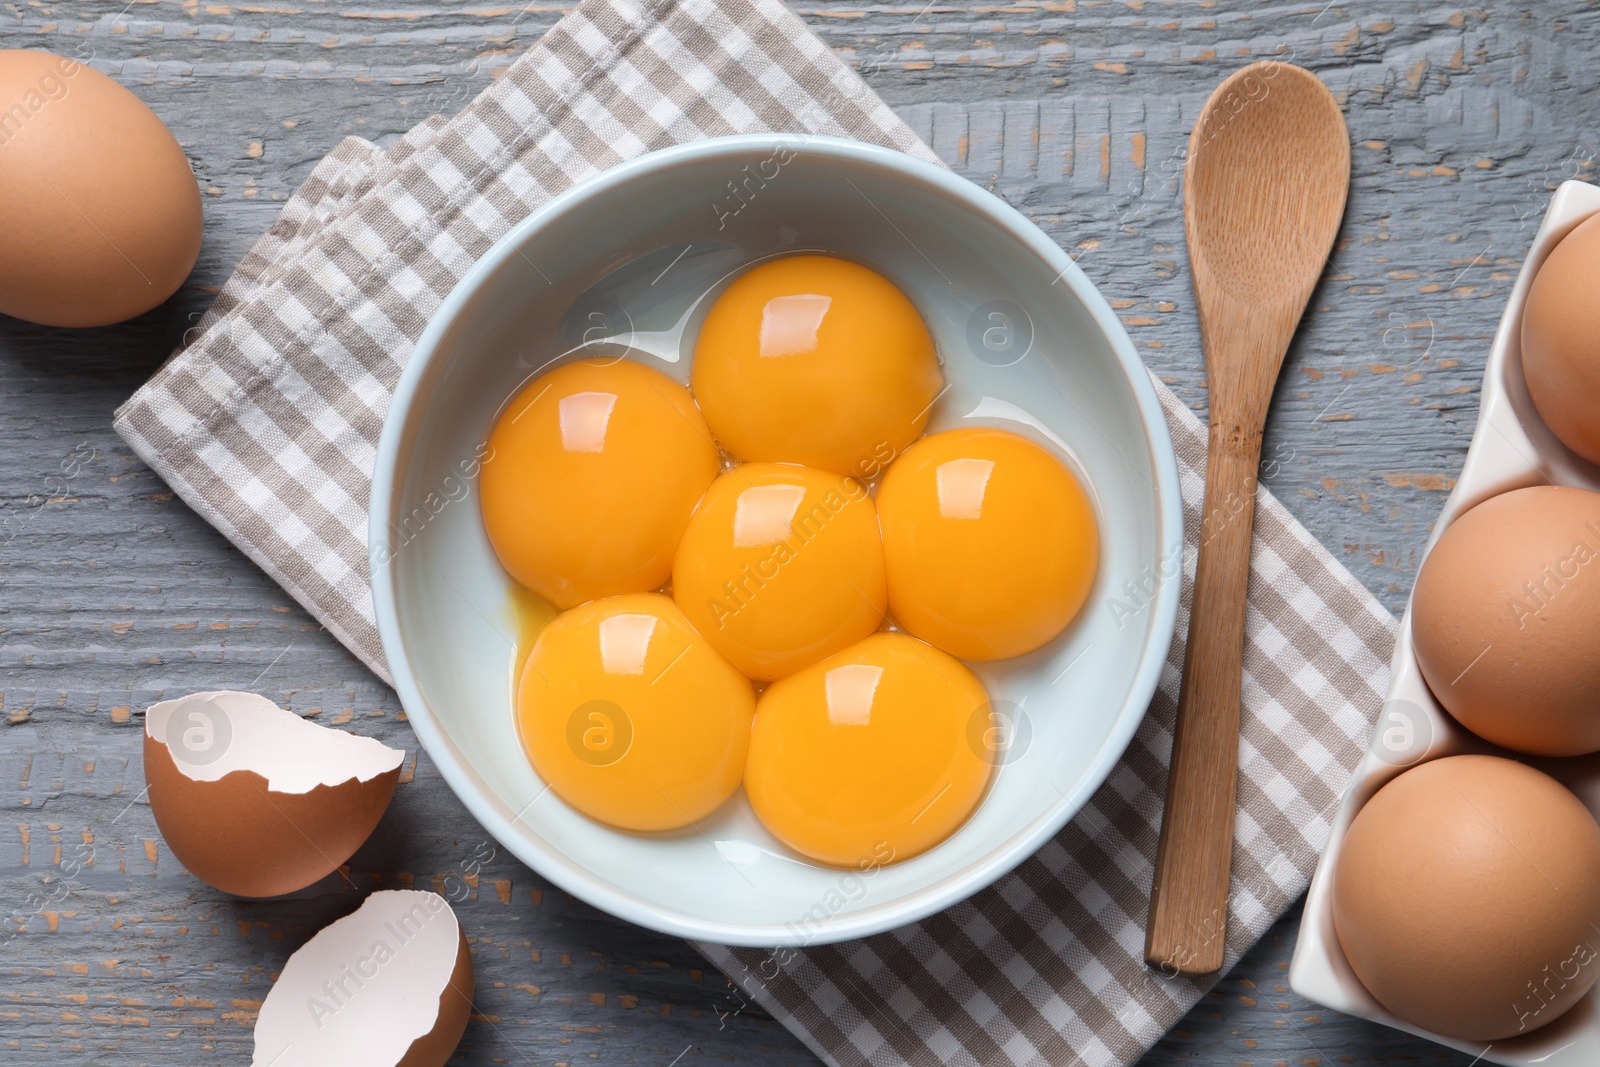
(113, 594)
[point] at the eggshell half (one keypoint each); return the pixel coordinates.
(389, 985)
(1561, 340)
(102, 213)
(1467, 898)
(1506, 620)
(257, 801)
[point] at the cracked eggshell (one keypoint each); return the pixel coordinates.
(257, 801)
(389, 985)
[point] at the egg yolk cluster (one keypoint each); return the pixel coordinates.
(810, 642)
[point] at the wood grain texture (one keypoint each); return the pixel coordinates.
(1264, 189)
(113, 594)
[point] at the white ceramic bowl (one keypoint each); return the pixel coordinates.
(1511, 448)
(617, 263)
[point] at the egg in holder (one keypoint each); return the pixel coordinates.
(1459, 895)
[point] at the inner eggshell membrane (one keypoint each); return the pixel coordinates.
(216, 733)
(380, 986)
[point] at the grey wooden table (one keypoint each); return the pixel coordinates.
(112, 592)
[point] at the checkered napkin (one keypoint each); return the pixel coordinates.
(267, 424)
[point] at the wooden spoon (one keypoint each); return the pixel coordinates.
(1264, 189)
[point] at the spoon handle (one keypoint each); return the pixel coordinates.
(1189, 902)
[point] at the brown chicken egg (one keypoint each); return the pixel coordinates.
(1561, 340)
(1505, 618)
(255, 800)
(389, 985)
(102, 212)
(1466, 897)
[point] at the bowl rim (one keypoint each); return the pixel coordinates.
(953, 887)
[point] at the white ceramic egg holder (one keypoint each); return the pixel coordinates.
(1511, 448)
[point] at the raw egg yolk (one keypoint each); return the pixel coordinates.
(989, 541)
(591, 474)
(781, 566)
(815, 360)
(871, 756)
(631, 716)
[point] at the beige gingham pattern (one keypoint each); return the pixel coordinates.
(268, 421)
